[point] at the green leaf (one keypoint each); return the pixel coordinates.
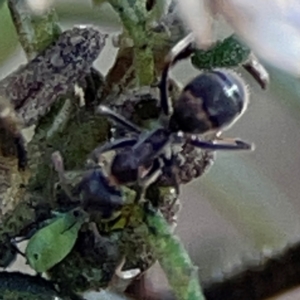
(98, 2)
(53, 243)
(8, 36)
(224, 54)
(1, 3)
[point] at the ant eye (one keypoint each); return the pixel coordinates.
(35, 256)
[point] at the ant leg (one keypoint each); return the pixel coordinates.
(151, 145)
(21, 151)
(181, 50)
(114, 145)
(104, 110)
(121, 279)
(58, 164)
(97, 236)
(150, 178)
(233, 144)
(126, 274)
(163, 88)
(144, 182)
(15, 247)
(227, 143)
(257, 70)
(169, 171)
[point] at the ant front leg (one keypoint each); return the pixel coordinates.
(58, 164)
(183, 49)
(151, 177)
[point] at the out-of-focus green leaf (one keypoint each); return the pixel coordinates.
(1, 3)
(286, 91)
(98, 2)
(250, 201)
(35, 32)
(8, 36)
(84, 13)
(224, 54)
(157, 10)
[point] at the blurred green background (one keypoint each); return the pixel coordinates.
(248, 202)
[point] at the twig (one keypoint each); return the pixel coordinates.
(173, 258)
(35, 32)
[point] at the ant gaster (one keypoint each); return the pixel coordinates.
(210, 103)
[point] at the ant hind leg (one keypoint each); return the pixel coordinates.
(58, 164)
(229, 144)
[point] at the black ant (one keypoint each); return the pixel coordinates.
(210, 103)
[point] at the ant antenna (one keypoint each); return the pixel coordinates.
(58, 164)
(183, 49)
(104, 110)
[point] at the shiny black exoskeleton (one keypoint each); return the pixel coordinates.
(94, 192)
(210, 103)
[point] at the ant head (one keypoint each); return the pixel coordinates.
(123, 167)
(212, 101)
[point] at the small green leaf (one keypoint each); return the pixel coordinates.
(52, 243)
(224, 54)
